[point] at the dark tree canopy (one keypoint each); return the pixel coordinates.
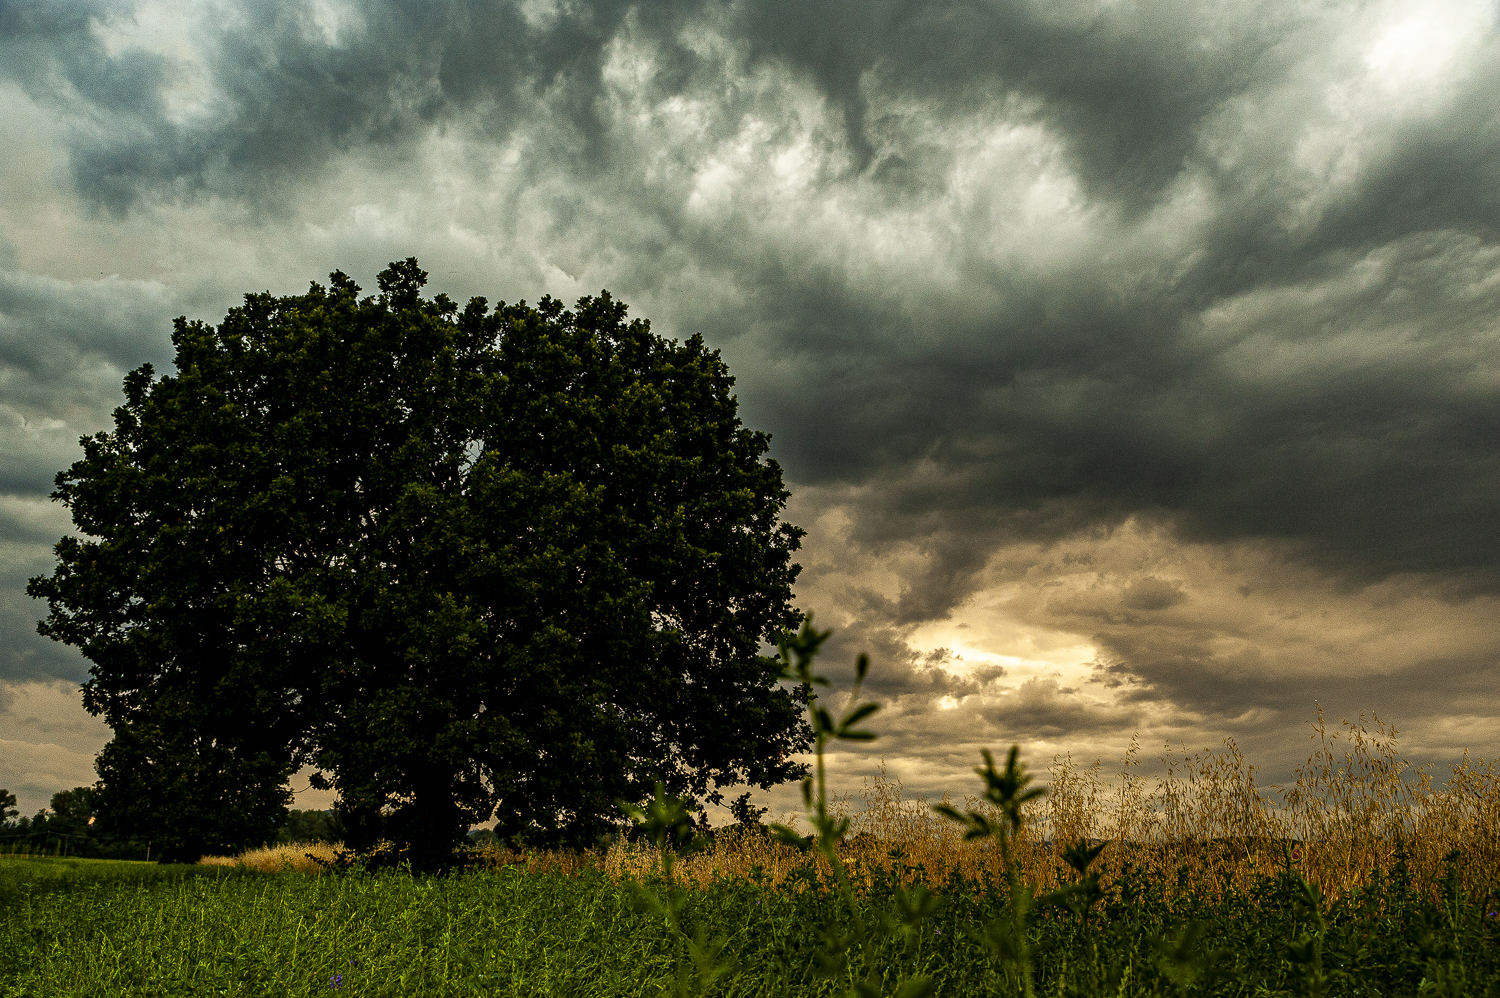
(466, 562)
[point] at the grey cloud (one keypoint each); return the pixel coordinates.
(281, 98)
(51, 326)
(1227, 687)
(50, 49)
(1127, 84)
(1152, 593)
(1090, 397)
(1205, 332)
(896, 671)
(1364, 426)
(64, 346)
(28, 529)
(1440, 172)
(26, 656)
(1043, 709)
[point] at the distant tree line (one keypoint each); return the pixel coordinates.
(69, 826)
(310, 826)
(72, 826)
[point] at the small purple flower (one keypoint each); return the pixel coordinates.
(336, 981)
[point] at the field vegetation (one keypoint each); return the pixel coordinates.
(1193, 900)
(1201, 826)
(1365, 876)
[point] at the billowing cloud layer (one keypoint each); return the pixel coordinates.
(1136, 329)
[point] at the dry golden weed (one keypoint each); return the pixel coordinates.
(296, 856)
(1204, 825)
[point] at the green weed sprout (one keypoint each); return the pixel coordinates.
(1306, 951)
(1085, 891)
(1009, 792)
(667, 822)
(1183, 960)
(860, 934)
(1008, 936)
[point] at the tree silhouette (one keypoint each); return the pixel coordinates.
(467, 563)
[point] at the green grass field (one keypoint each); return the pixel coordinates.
(74, 927)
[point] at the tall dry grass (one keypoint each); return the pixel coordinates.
(300, 857)
(1203, 823)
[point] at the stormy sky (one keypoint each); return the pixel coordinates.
(1135, 366)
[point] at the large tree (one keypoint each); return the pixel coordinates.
(466, 562)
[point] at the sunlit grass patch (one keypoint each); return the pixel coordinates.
(300, 857)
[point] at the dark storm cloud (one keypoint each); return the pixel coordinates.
(1365, 424)
(283, 94)
(1127, 83)
(1442, 173)
(1044, 709)
(1075, 398)
(26, 656)
(1315, 363)
(1224, 688)
(64, 347)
